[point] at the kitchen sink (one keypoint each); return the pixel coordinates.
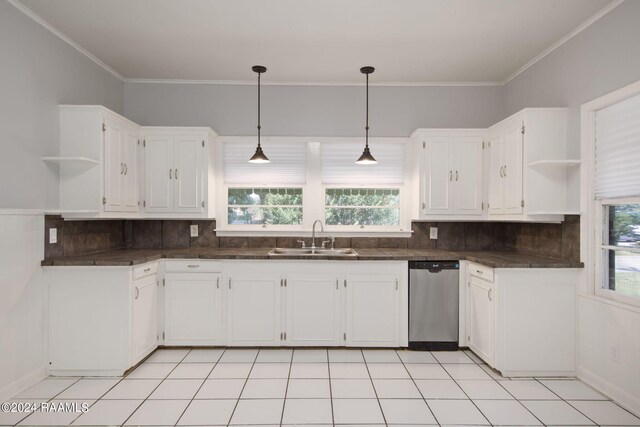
(348, 252)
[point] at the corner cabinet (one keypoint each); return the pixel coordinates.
(450, 164)
(179, 174)
(101, 320)
(98, 163)
(530, 175)
(521, 321)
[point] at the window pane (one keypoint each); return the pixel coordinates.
(624, 225)
(362, 216)
(265, 196)
(624, 272)
(362, 197)
(262, 215)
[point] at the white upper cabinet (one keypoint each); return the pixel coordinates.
(530, 173)
(179, 177)
(450, 172)
(98, 163)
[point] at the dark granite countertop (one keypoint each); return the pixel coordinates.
(127, 257)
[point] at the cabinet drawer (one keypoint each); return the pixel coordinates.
(481, 271)
(144, 270)
(193, 266)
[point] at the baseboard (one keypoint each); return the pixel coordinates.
(21, 384)
(621, 396)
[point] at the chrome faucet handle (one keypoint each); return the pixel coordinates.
(304, 245)
(331, 240)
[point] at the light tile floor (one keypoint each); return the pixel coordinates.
(207, 387)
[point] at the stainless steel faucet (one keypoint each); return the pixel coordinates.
(313, 232)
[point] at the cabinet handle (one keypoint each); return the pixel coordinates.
(501, 171)
(217, 283)
(170, 172)
(396, 284)
(175, 174)
(336, 284)
(489, 294)
(479, 271)
(126, 168)
(193, 265)
(450, 175)
(229, 282)
(137, 292)
(505, 171)
(148, 269)
(121, 168)
(456, 175)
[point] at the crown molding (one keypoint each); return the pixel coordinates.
(37, 18)
(297, 83)
(580, 28)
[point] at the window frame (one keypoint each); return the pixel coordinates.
(602, 227)
(591, 223)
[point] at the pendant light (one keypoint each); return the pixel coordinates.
(259, 156)
(367, 158)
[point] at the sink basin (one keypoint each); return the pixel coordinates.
(312, 252)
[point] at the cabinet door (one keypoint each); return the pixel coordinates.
(496, 179)
(253, 310)
(187, 162)
(145, 317)
(373, 310)
(437, 176)
(313, 310)
(158, 166)
(481, 318)
(129, 189)
(192, 309)
(114, 137)
(468, 175)
(513, 170)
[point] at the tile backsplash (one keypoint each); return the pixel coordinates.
(80, 237)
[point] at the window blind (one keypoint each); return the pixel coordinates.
(617, 154)
(339, 167)
(288, 164)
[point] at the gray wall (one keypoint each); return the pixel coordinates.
(602, 58)
(311, 110)
(38, 72)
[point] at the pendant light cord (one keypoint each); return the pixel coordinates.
(366, 140)
(259, 127)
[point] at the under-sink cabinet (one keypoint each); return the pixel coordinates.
(521, 321)
(101, 320)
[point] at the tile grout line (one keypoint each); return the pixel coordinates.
(286, 390)
(155, 388)
(333, 416)
(416, 385)
(246, 380)
(201, 385)
(465, 393)
(561, 398)
(50, 399)
(366, 365)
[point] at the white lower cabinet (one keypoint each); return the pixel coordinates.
(192, 309)
(145, 317)
(312, 310)
(372, 310)
(481, 315)
(101, 320)
(521, 321)
(253, 310)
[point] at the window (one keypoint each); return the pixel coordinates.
(621, 248)
(264, 206)
(362, 206)
(616, 137)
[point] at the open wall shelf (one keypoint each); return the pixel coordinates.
(555, 163)
(79, 160)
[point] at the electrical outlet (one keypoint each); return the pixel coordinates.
(53, 235)
(614, 353)
(194, 230)
(433, 233)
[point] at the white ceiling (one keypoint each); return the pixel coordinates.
(302, 41)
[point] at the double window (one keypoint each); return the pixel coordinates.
(616, 136)
(309, 180)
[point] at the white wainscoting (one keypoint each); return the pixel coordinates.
(602, 326)
(22, 301)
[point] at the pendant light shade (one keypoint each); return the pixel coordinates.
(259, 156)
(366, 158)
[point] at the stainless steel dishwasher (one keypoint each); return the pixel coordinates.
(433, 305)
